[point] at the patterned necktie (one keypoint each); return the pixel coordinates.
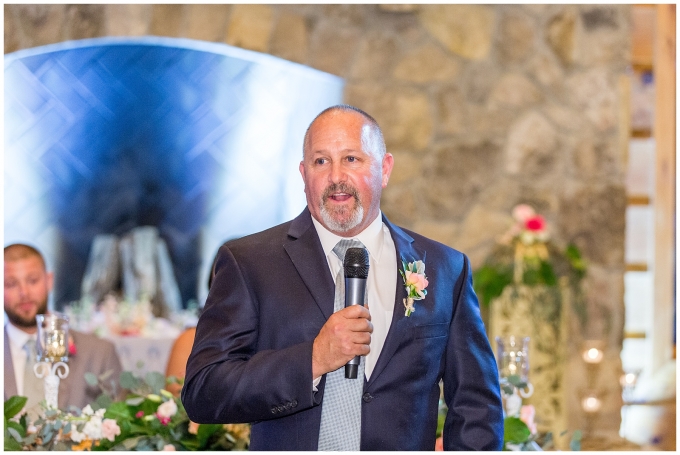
(33, 386)
(341, 406)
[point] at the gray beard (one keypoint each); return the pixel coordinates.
(354, 220)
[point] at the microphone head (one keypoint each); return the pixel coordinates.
(356, 263)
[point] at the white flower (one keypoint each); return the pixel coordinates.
(87, 410)
(93, 428)
(420, 267)
(100, 412)
(513, 404)
(167, 409)
(76, 436)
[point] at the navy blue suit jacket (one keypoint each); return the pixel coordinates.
(271, 294)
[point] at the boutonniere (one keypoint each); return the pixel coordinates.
(415, 282)
(71, 347)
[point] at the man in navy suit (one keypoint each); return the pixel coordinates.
(268, 336)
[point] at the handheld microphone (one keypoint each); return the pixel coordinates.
(356, 273)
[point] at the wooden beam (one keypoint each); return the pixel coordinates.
(664, 198)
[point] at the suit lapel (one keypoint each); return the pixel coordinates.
(10, 379)
(306, 253)
(401, 325)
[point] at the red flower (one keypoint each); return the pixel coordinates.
(139, 414)
(164, 420)
(71, 347)
(536, 223)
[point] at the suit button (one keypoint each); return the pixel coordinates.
(294, 403)
(367, 397)
(274, 411)
(280, 408)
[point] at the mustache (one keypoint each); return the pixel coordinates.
(340, 188)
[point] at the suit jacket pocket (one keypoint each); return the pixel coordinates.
(431, 330)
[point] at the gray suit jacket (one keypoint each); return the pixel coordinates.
(92, 355)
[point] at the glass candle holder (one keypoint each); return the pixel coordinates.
(52, 342)
(512, 355)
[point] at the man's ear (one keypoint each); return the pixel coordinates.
(387, 165)
(50, 281)
(302, 170)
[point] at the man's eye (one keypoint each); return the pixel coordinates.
(320, 161)
(351, 159)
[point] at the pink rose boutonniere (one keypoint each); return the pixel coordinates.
(415, 282)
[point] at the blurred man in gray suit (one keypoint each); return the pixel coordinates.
(27, 285)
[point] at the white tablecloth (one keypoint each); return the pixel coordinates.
(141, 355)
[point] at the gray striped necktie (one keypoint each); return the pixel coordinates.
(341, 406)
(33, 386)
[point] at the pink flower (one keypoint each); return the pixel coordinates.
(418, 281)
(110, 429)
(523, 212)
(139, 414)
(439, 444)
(163, 420)
(193, 427)
(169, 448)
(526, 415)
(535, 224)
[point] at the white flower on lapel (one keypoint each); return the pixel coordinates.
(415, 282)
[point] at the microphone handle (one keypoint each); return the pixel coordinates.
(355, 291)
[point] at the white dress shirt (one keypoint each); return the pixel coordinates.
(17, 340)
(381, 283)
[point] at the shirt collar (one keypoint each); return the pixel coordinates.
(371, 237)
(17, 336)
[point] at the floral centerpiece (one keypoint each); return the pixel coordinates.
(150, 418)
(120, 317)
(527, 285)
(526, 255)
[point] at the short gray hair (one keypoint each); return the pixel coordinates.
(373, 141)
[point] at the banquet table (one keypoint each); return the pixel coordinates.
(141, 355)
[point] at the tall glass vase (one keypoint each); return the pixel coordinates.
(512, 355)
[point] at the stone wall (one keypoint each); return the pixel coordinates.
(482, 106)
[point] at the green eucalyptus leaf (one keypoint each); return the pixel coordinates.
(15, 434)
(128, 380)
(91, 379)
(17, 426)
(103, 401)
(155, 380)
(30, 439)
